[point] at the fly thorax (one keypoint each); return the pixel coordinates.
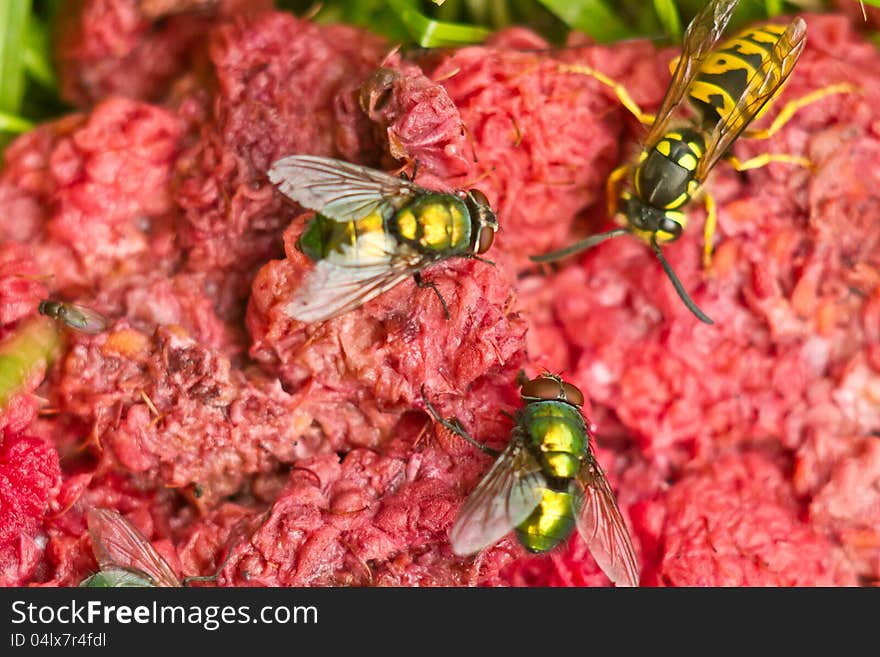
(435, 223)
(557, 436)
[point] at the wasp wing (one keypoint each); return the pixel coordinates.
(702, 34)
(339, 190)
(118, 544)
(503, 499)
(602, 527)
(760, 88)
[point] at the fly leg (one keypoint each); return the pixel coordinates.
(619, 90)
(455, 426)
(417, 277)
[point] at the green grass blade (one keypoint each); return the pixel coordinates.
(37, 53)
(14, 15)
(430, 33)
(667, 12)
(590, 16)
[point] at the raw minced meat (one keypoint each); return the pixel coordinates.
(740, 453)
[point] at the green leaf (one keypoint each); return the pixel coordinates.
(27, 349)
(15, 124)
(590, 16)
(14, 15)
(430, 33)
(774, 7)
(667, 12)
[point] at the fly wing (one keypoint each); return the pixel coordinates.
(759, 90)
(702, 34)
(118, 544)
(339, 190)
(504, 498)
(84, 319)
(602, 527)
(334, 287)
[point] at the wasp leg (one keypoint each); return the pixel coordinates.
(455, 426)
(417, 277)
(611, 187)
(709, 228)
(793, 106)
(619, 90)
(766, 158)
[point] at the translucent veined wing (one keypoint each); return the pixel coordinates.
(83, 319)
(503, 499)
(119, 545)
(702, 34)
(602, 527)
(760, 88)
(339, 190)
(332, 287)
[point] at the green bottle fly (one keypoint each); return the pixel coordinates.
(545, 484)
(372, 231)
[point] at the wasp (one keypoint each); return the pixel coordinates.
(373, 230)
(726, 88)
(75, 316)
(545, 483)
(126, 557)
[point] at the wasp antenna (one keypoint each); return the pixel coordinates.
(677, 284)
(577, 247)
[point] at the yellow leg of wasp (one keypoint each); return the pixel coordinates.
(793, 106)
(611, 187)
(766, 158)
(709, 228)
(620, 91)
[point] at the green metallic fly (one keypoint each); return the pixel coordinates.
(373, 230)
(545, 483)
(126, 557)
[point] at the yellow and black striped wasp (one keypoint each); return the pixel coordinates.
(727, 88)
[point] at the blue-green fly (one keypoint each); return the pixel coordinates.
(373, 230)
(545, 483)
(126, 558)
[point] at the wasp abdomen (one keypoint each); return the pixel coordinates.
(725, 74)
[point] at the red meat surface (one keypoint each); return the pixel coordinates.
(743, 453)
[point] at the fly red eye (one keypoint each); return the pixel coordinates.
(552, 389)
(479, 197)
(572, 394)
(487, 236)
